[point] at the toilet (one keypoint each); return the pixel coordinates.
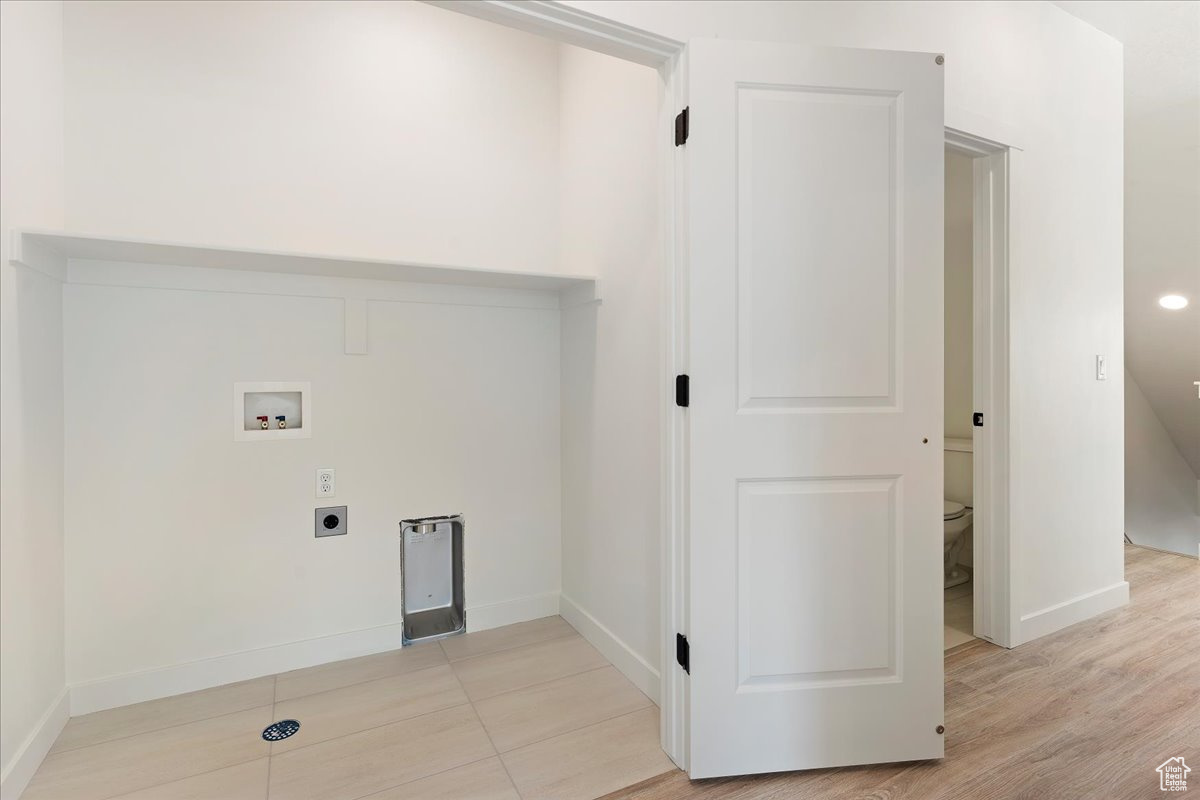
(956, 521)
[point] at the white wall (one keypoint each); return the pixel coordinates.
(393, 130)
(369, 129)
(960, 299)
(1162, 217)
(32, 682)
(1161, 491)
(236, 124)
(351, 128)
(1162, 202)
(1027, 74)
(610, 357)
(184, 545)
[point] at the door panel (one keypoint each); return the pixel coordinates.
(814, 192)
(841, 148)
(789, 535)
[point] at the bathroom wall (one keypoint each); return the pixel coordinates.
(32, 682)
(960, 300)
(1161, 491)
(1030, 75)
(960, 296)
(610, 358)
(390, 130)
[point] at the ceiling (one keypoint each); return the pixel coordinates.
(1162, 201)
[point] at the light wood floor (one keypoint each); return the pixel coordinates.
(1088, 712)
(527, 711)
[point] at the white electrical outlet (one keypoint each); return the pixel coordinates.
(326, 485)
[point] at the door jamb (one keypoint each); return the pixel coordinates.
(674, 717)
(991, 236)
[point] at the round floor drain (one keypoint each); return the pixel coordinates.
(281, 730)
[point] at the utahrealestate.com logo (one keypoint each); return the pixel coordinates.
(1172, 775)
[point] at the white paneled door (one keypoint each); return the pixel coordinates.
(814, 192)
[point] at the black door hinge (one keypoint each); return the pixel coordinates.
(683, 653)
(681, 127)
(977, 419)
(682, 391)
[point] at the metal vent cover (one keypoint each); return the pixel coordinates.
(431, 574)
(280, 730)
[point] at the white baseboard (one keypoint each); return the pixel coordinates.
(1077, 609)
(29, 756)
(621, 655)
(1161, 550)
(123, 690)
(523, 609)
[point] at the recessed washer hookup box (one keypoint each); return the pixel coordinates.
(433, 603)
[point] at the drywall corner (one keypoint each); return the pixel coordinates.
(609, 227)
(19, 771)
(32, 637)
(640, 672)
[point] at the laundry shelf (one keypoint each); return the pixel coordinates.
(50, 252)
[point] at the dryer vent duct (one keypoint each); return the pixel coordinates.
(431, 574)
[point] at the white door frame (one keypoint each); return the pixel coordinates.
(994, 165)
(675, 456)
(993, 598)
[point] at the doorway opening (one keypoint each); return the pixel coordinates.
(975, 483)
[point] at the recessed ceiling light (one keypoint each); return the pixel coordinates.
(1174, 302)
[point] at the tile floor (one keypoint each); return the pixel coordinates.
(959, 615)
(528, 711)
